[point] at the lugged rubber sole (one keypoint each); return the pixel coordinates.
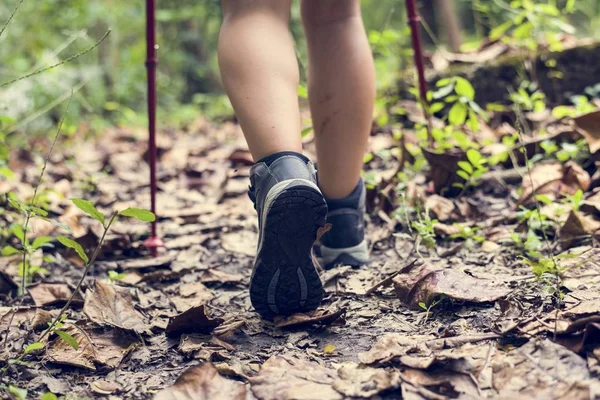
(284, 280)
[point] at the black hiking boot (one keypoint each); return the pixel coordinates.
(345, 243)
(290, 209)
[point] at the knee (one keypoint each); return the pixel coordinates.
(325, 12)
(235, 8)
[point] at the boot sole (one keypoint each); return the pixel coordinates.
(284, 280)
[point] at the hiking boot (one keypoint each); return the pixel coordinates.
(345, 242)
(290, 210)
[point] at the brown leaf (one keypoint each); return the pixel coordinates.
(192, 294)
(553, 179)
(243, 242)
(577, 227)
(36, 318)
(424, 284)
(317, 317)
(423, 351)
(203, 383)
(288, 378)
(53, 294)
(440, 207)
(96, 347)
(107, 304)
(451, 384)
(364, 382)
(157, 262)
(443, 167)
(589, 125)
(193, 320)
(217, 276)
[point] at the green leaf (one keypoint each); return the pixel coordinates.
(544, 199)
(39, 211)
(423, 305)
(436, 107)
(443, 91)
(70, 243)
(466, 166)
(500, 30)
(464, 88)
(40, 241)
(17, 393)
(89, 208)
(48, 396)
(444, 82)
(463, 174)
(302, 92)
(9, 251)
(306, 131)
(18, 232)
(33, 347)
(457, 114)
(475, 157)
(68, 338)
(560, 112)
(139, 213)
(7, 173)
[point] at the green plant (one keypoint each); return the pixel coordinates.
(428, 308)
(472, 169)
(531, 246)
(532, 22)
(468, 234)
(424, 226)
(578, 151)
(582, 105)
(528, 97)
(457, 93)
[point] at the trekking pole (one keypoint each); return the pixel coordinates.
(153, 242)
(414, 22)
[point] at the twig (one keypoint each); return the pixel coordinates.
(11, 17)
(83, 276)
(73, 57)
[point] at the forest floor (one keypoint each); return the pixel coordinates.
(451, 305)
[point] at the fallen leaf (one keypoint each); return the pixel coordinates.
(242, 241)
(289, 378)
(7, 285)
(423, 351)
(364, 382)
(228, 328)
(191, 294)
(425, 284)
(36, 318)
(589, 127)
(553, 179)
(96, 347)
(443, 167)
(203, 383)
(444, 383)
(217, 276)
(193, 320)
(52, 294)
(578, 226)
(157, 262)
(440, 207)
(107, 304)
(104, 387)
(317, 317)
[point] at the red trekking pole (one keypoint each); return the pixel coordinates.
(153, 242)
(413, 22)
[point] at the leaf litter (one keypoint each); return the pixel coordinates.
(467, 319)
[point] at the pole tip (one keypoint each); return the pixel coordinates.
(153, 243)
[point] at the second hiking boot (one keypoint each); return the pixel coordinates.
(345, 242)
(290, 209)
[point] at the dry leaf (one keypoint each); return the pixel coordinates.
(364, 382)
(106, 304)
(443, 167)
(36, 318)
(440, 207)
(589, 126)
(217, 276)
(288, 378)
(242, 241)
(7, 285)
(320, 317)
(96, 347)
(193, 320)
(203, 383)
(52, 294)
(192, 294)
(577, 227)
(425, 285)
(157, 262)
(553, 179)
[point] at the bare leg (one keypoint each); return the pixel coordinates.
(341, 90)
(260, 73)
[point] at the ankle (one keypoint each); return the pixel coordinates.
(353, 200)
